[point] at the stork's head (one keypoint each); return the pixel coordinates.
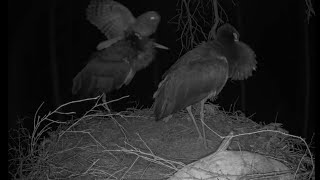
(241, 58)
(147, 23)
(227, 34)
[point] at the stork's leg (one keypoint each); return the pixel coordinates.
(194, 121)
(202, 121)
(104, 101)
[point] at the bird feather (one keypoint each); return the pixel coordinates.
(100, 76)
(203, 72)
(190, 80)
(113, 67)
(110, 17)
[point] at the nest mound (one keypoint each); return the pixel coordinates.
(132, 145)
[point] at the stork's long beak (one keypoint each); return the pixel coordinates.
(157, 45)
(105, 44)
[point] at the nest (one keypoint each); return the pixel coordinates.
(131, 145)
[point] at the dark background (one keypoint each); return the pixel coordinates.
(50, 41)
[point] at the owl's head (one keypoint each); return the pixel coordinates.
(147, 23)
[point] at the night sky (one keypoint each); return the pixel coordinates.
(47, 47)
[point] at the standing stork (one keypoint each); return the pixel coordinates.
(127, 50)
(201, 74)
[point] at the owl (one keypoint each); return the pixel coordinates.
(127, 50)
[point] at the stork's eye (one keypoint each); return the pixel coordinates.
(154, 18)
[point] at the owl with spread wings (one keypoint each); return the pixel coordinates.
(127, 50)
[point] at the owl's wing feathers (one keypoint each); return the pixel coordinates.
(144, 57)
(100, 76)
(120, 51)
(110, 17)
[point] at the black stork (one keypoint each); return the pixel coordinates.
(127, 50)
(202, 73)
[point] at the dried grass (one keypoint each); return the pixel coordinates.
(131, 145)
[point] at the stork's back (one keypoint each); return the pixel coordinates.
(192, 78)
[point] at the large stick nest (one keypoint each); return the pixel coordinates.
(131, 145)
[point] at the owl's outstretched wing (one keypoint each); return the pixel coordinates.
(100, 76)
(110, 17)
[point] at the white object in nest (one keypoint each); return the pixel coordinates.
(234, 165)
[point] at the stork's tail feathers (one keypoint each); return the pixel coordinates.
(160, 104)
(158, 108)
(76, 84)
